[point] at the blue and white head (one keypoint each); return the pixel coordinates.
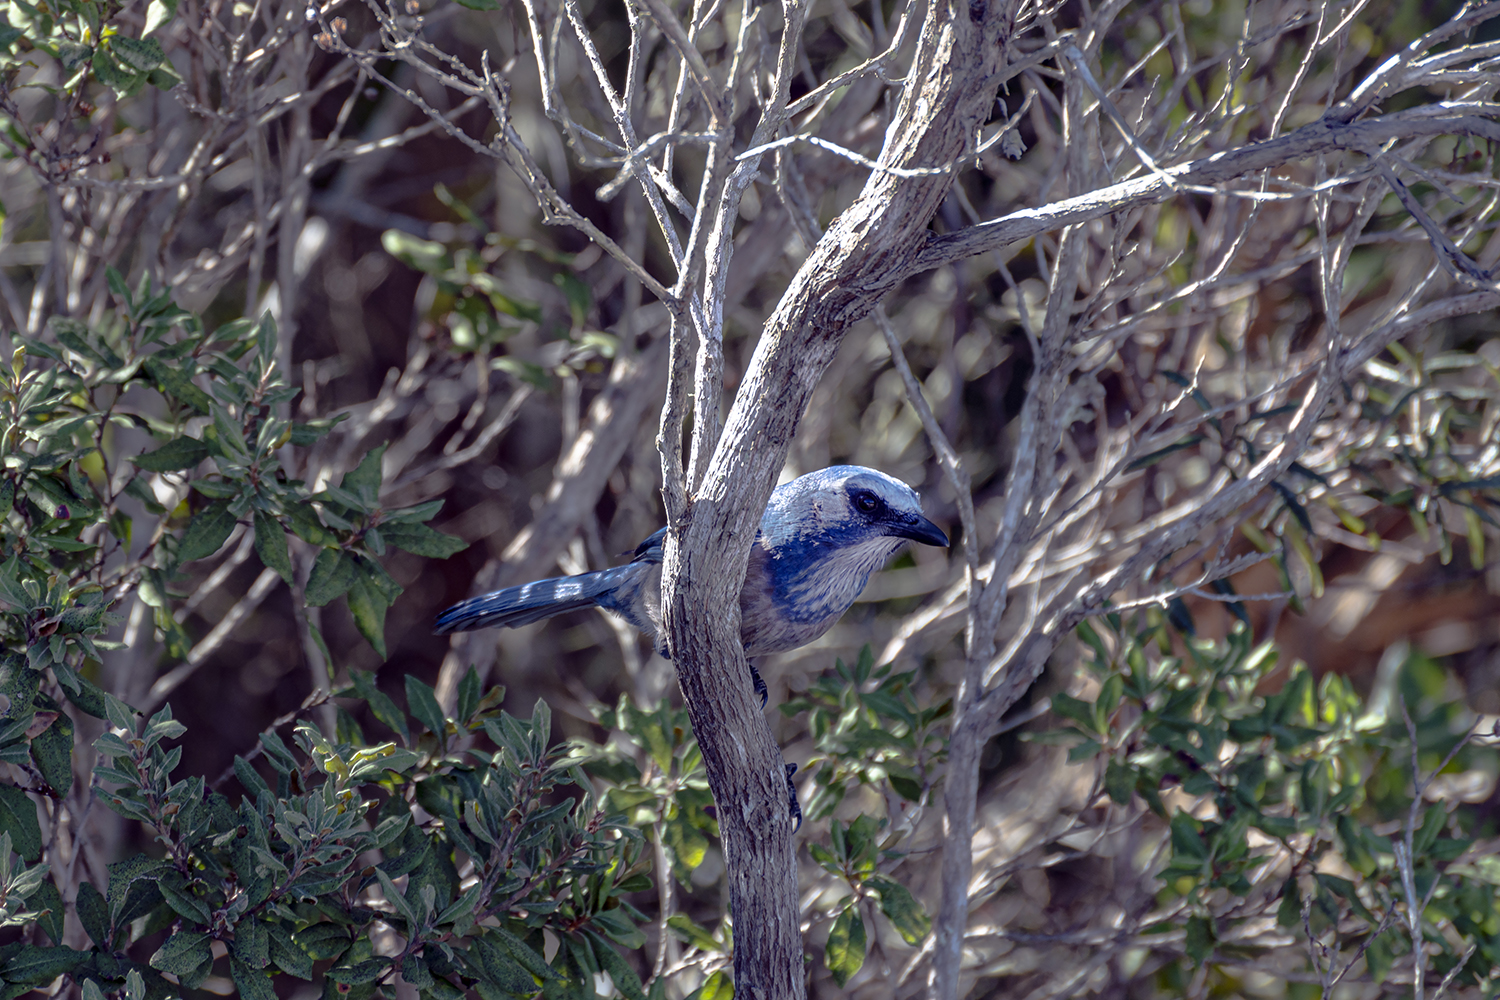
(827, 531)
(845, 505)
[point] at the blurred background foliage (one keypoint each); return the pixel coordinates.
(291, 369)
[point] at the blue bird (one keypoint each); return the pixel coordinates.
(821, 537)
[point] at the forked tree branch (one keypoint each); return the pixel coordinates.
(949, 94)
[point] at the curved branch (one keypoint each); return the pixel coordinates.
(1326, 135)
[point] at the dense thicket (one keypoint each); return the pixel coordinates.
(321, 318)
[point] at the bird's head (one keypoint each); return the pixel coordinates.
(846, 506)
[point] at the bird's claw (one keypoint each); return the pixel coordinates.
(793, 806)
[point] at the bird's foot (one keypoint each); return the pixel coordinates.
(760, 686)
(793, 806)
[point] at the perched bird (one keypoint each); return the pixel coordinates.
(821, 537)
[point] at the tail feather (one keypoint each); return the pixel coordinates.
(531, 602)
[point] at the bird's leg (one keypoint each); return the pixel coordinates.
(793, 806)
(759, 683)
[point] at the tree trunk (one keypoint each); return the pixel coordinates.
(949, 96)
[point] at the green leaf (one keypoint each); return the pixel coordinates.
(1200, 939)
(120, 715)
(416, 973)
(249, 778)
(287, 954)
(525, 954)
(323, 941)
(304, 434)
(1110, 693)
(138, 488)
(140, 54)
(50, 495)
(469, 692)
(1356, 852)
(399, 901)
(81, 691)
(69, 332)
(413, 251)
(72, 55)
(132, 888)
(682, 925)
(367, 605)
(183, 952)
(206, 532)
(1187, 842)
(502, 969)
(47, 898)
(38, 966)
(1069, 707)
(618, 927)
(216, 489)
(1447, 849)
(306, 525)
(11, 590)
(526, 371)
(1083, 751)
(18, 818)
(179, 896)
(177, 454)
(1379, 957)
(905, 786)
(580, 300)
(116, 283)
(359, 973)
(441, 989)
(1294, 505)
(1119, 782)
(170, 380)
(423, 705)
(93, 914)
(1345, 890)
(845, 953)
(409, 515)
(718, 987)
(252, 942)
(249, 982)
(364, 481)
(1434, 819)
(625, 978)
(265, 340)
(687, 846)
(332, 575)
(158, 13)
(902, 909)
(270, 545)
(52, 751)
(381, 705)
(1161, 453)
(419, 539)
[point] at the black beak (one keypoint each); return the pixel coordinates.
(919, 529)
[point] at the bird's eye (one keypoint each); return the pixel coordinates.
(867, 503)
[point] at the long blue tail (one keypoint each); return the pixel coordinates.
(527, 603)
